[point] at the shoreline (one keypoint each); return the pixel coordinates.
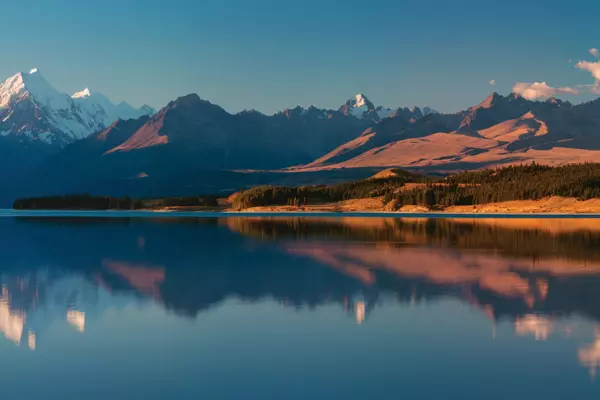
(116, 214)
(550, 207)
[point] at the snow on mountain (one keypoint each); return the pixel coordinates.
(358, 106)
(101, 110)
(21, 86)
(383, 112)
(83, 94)
(429, 110)
(361, 107)
(31, 108)
(124, 109)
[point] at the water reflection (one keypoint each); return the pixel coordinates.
(537, 326)
(551, 266)
(11, 322)
(535, 274)
(77, 319)
(33, 300)
(589, 355)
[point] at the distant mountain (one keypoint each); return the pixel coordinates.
(500, 130)
(358, 106)
(33, 110)
(361, 107)
(202, 134)
(191, 140)
(36, 120)
(193, 146)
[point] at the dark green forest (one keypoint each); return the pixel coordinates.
(304, 195)
(524, 182)
(89, 202)
(193, 201)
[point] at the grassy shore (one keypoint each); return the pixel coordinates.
(562, 205)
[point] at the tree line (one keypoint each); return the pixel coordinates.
(522, 182)
(89, 202)
(304, 195)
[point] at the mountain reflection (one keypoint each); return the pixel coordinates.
(536, 325)
(532, 272)
(589, 355)
(31, 301)
(512, 266)
(11, 322)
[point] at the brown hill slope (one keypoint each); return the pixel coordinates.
(501, 130)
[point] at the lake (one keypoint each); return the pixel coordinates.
(255, 307)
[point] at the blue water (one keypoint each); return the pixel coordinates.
(291, 307)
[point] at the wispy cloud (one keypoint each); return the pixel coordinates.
(535, 90)
(493, 82)
(592, 67)
(594, 89)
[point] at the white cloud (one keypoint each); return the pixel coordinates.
(532, 91)
(593, 88)
(493, 82)
(592, 67)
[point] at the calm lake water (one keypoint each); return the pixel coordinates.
(296, 308)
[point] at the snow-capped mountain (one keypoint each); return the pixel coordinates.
(32, 110)
(358, 106)
(428, 110)
(361, 107)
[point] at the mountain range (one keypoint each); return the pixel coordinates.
(52, 143)
(501, 130)
(37, 120)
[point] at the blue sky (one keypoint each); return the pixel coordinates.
(269, 55)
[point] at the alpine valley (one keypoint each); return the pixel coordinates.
(55, 143)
